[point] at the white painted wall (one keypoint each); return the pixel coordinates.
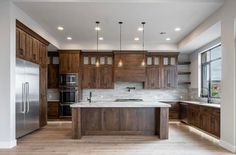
(7, 59)
(226, 15)
(8, 15)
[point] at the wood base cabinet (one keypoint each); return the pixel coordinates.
(204, 118)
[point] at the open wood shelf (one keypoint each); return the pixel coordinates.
(184, 63)
(184, 83)
(184, 73)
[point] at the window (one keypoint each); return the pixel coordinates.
(211, 72)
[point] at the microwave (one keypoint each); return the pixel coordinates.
(70, 79)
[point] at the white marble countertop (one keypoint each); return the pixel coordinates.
(112, 104)
(214, 105)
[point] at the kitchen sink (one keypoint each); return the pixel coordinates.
(128, 100)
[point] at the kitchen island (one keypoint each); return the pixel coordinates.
(120, 118)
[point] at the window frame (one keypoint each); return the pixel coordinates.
(205, 64)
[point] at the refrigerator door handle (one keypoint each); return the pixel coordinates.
(23, 99)
(27, 97)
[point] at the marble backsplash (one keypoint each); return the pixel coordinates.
(120, 91)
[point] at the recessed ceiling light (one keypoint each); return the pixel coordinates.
(97, 28)
(177, 29)
(162, 33)
(100, 38)
(168, 39)
(60, 28)
(136, 38)
(69, 38)
(140, 29)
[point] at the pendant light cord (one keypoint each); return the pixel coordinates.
(143, 23)
(120, 33)
(97, 22)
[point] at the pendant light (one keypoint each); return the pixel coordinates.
(97, 29)
(143, 62)
(120, 63)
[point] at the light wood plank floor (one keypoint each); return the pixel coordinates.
(55, 139)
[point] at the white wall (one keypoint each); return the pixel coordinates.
(7, 58)
(226, 15)
(8, 15)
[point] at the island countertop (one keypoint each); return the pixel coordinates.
(112, 104)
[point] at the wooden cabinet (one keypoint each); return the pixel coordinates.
(153, 72)
(115, 121)
(104, 77)
(161, 70)
(53, 110)
(210, 120)
(97, 70)
(53, 70)
(169, 77)
(69, 61)
(204, 118)
(174, 110)
(127, 63)
(193, 115)
(43, 96)
(53, 76)
(32, 47)
(20, 43)
(111, 119)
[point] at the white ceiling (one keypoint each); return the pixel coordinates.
(78, 19)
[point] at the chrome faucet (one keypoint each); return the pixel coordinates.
(90, 97)
(208, 95)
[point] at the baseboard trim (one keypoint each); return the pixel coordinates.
(227, 146)
(8, 145)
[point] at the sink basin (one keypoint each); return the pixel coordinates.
(128, 100)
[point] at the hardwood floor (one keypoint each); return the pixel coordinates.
(55, 139)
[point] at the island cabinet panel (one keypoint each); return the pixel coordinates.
(121, 121)
(128, 66)
(91, 120)
(111, 119)
(69, 61)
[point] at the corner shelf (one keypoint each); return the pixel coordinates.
(184, 73)
(184, 83)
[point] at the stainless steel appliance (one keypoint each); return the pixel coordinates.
(27, 97)
(69, 79)
(69, 94)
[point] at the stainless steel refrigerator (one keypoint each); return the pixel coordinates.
(27, 97)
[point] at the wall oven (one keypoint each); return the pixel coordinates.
(69, 95)
(69, 79)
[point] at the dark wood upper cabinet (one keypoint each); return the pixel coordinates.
(97, 70)
(69, 61)
(169, 77)
(131, 69)
(161, 70)
(20, 43)
(53, 76)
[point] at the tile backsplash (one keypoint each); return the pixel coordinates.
(120, 92)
